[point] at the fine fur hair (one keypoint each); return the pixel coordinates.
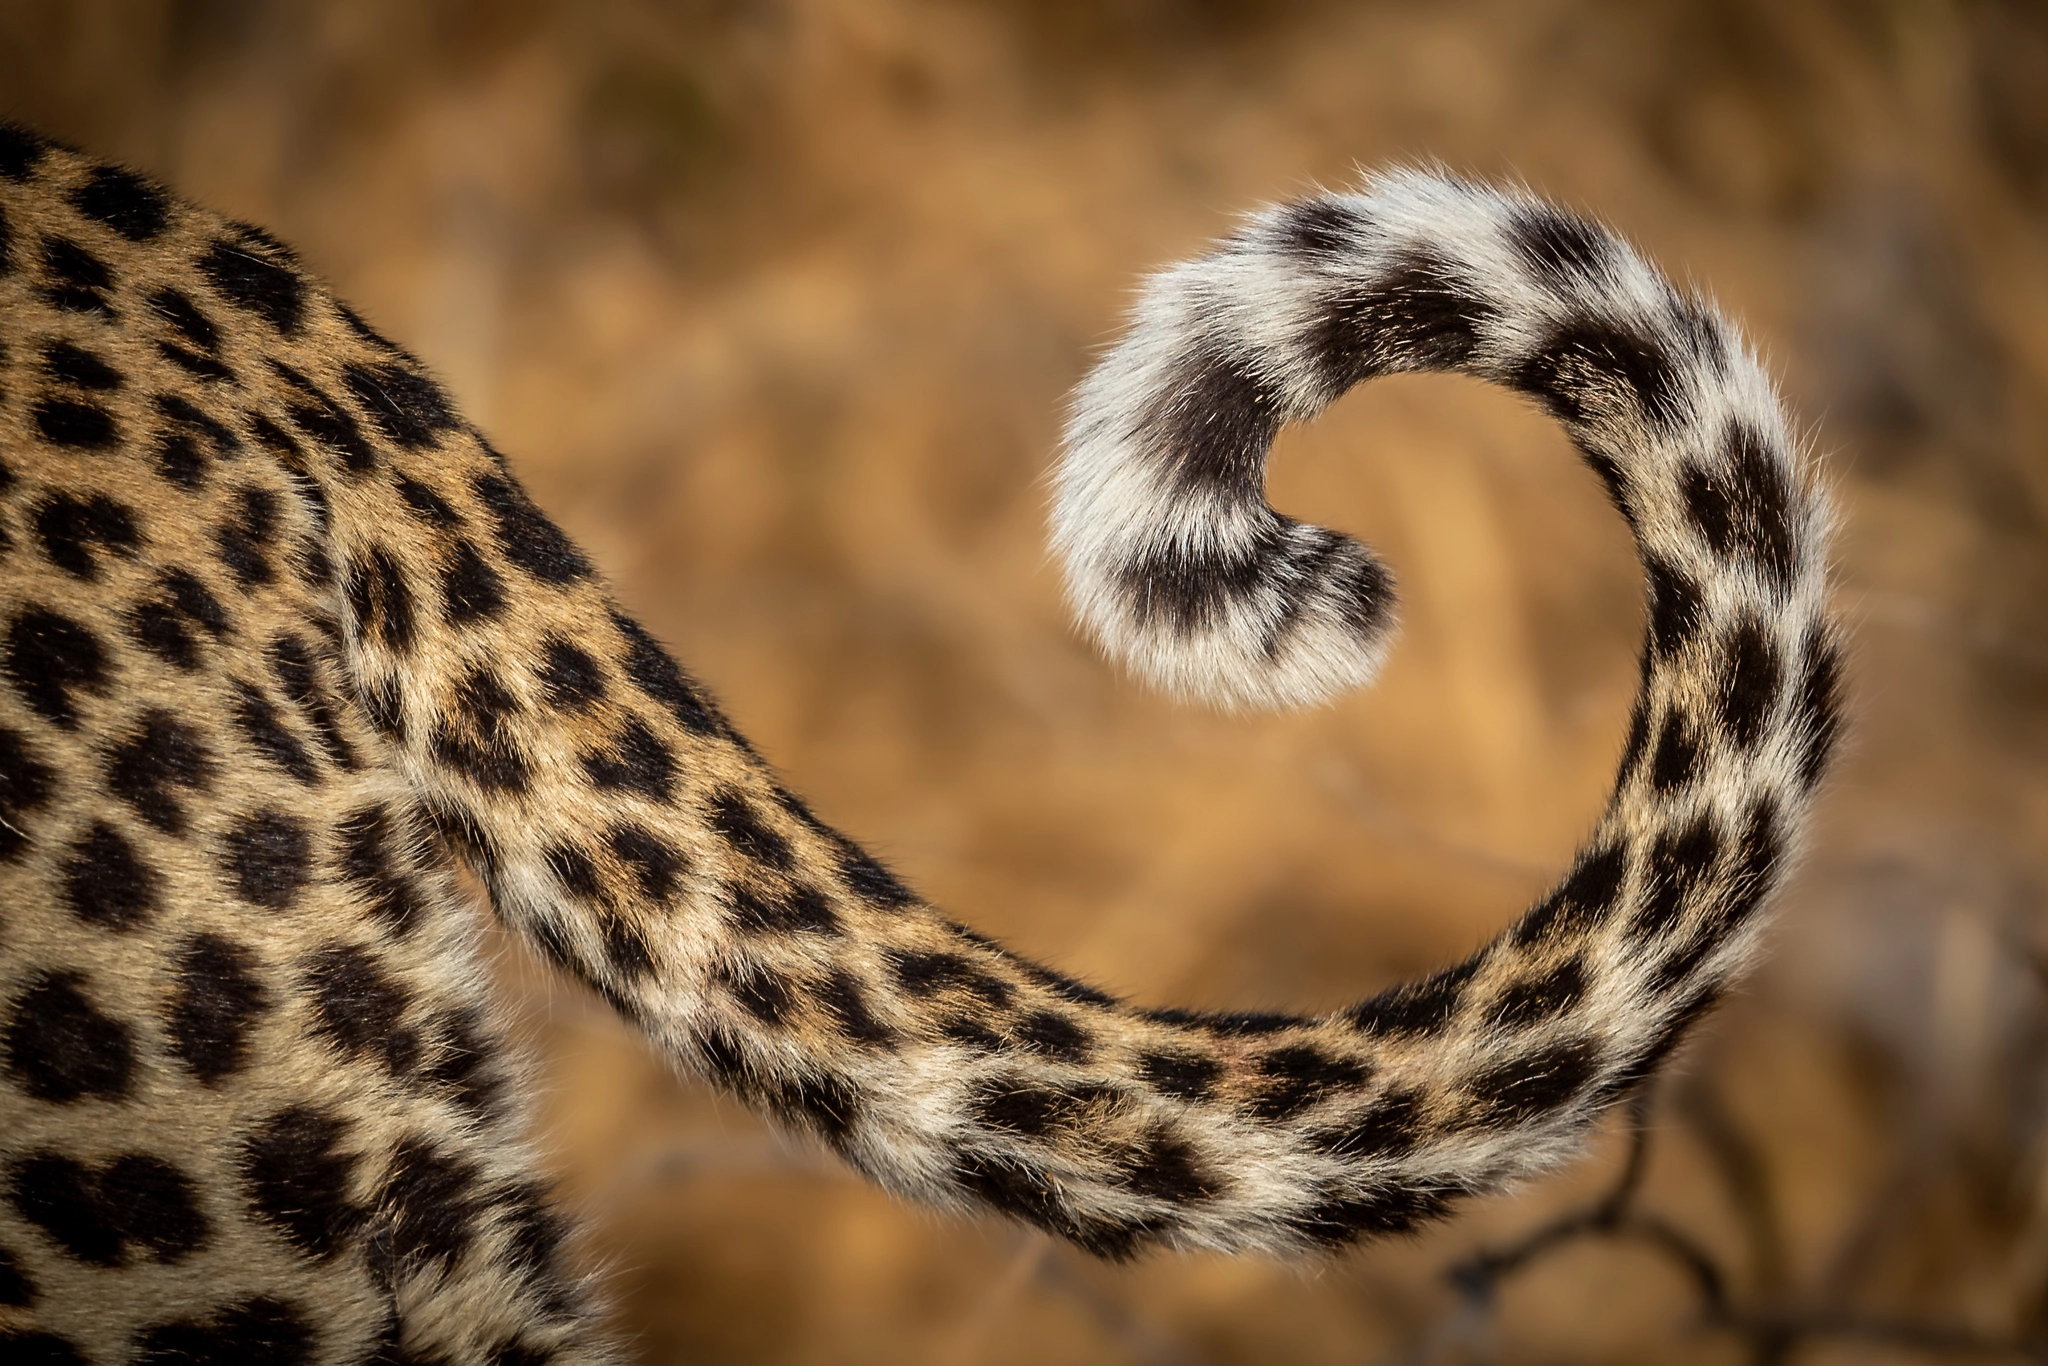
(283, 641)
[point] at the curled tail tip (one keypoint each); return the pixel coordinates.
(1279, 615)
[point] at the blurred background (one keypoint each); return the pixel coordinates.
(774, 303)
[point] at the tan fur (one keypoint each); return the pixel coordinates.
(409, 666)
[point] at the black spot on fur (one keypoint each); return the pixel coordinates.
(205, 367)
(493, 762)
(571, 678)
(1676, 761)
(1750, 683)
(1421, 1008)
(365, 839)
(381, 599)
(220, 996)
(764, 993)
(824, 1103)
(160, 629)
(1391, 1128)
(525, 535)
(277, 441)
(1564, 252)
(148, 769)
(268, 858)
(925, 974)
(1215, 424)
(1027, 1194)
(59, 1196)
(26, 784)
(1534, 1084)
(61, 1048)
(163, 625)
(1420, 314)
(21, 151)
(108, 884)
(177, 308)
(298, 1177)
(384, 704)
(656, 864)
(256, 274)
(625, 948)
(661, 678)
(297, 674)
(163, 755)
(434, 1201)
(1059, 984)
(267, 734)
(1585, 899)
(482, 700)
(328, 426)
(1185, 1076)
(17, 1288)
(971, 1033)
(69, 363)
(1234, 1023)
(154, 1204)
(637, 761)
(362, 329)
(1298, 1076)
(409, 407)
(1343, 1218)
(179, 457)
(76, 423)
(1033, 1110)
(78, 280)
(1681, 965)
(1320, 228)
(538, 1233)
(1676, 608)
(49, 657)
(429, 506)
(356, 1003)
(1302, 564)
(470, 589)
(1168, 1168)
(71, 528)
(1055, 1035)
(1681, 862)
(868, 879)
(27, 1347)
(244, 539)
(801, 908)
(1612, 478)
(1817, 705)
(1590, 363)
(741, 824)
(124, 201)
(724, 1063)
(467, 1064)
(575, 870)
(1757, 857)
(1763, 526)
(841, 994)
(1533, 1000)
(252, 1332)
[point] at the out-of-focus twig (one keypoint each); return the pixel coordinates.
(1769, 1328)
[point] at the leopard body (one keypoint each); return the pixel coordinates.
(284, 645)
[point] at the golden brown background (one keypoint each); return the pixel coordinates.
(774, 302)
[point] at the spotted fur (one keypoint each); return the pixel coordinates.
(282, 642)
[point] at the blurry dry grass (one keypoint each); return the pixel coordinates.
(774, 304)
